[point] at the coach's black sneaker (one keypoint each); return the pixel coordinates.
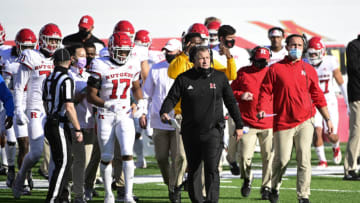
(234, 168)
(265, 193)
(175, 195)
(30, 179)
(41, 173)
(274, 196)
(351, 176)
(304, 200)
(246, 188)
(10, 176)
(3, 170)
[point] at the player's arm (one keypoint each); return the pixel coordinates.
(325, 114)
(144, 69)
(94, 84)
(340, 81)
(142, 104)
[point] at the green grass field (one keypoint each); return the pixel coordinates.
(326, 189)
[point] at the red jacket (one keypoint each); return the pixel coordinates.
(249, 79)
(295, 91)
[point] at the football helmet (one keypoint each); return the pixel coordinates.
(2, 35)
(25, 39)
(197, 29)
(120, 46)
(315, 46)
(126, 27)
(213, 28)
(142, 38)
(50, 38)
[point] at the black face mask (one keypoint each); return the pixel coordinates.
(83, 33)
(170, 57)
(229, 43)
(260, 63)
(88, 61)
(205, 72)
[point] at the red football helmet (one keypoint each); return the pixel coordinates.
(50, 38)
(25, 39)
(316, 50)
(197, 29)
(2, 35)
(120, 46)
(213, 28)
(126, 27)
(142, 38)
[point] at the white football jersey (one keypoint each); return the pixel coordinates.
(277, 56)
(116, 81)
(7, 57)
(141, 53)
(240, 55)
(38, 68)
(325, 75)
(11, 69)
(155, 57)
(5, 50)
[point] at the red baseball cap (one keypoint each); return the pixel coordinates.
(262, 53)
(86, 22)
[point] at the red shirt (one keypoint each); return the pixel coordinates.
(295, 91)
(249, 79)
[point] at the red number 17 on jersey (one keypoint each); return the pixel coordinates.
(115, 88)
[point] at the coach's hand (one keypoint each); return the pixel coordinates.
(143, 121)
(79, 136)
(260, 115)
(238, 133)
(330, 126)
(165, 118)
(247, 96)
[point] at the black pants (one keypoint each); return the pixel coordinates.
(59, 136)
(205, 147)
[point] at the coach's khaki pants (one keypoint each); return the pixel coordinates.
(169, 143)
(81, 156)
(301, 136)
(233, 147)
(247, 146)
(117, 165)
(92, 167)
(44, 167)
(353, 144)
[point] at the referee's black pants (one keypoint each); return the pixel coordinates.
(205, 147)
(59, 136)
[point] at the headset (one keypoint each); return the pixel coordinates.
(303, 37)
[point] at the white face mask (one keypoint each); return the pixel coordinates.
(295, 53)
(81, 62)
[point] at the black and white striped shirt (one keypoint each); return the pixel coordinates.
(58, 89)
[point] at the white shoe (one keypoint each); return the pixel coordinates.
(88, 194)
(109, 199)
(337, 155)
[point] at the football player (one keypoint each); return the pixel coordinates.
(25, 39)
(35, 66)
(112, 78)
(327, 68)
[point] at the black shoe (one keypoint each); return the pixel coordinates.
(246, 188)
(351, 176)
(3, 170)
(174, 197)
(265, 193)
(10, 176)
(30, 179)
(304, 200)
(41, 173)
(234, 168)
(95, 193)
(274, 196)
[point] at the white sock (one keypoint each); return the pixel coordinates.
(128, 167)
(320, 153)
(106, 173)
(3, 156)
(336, 145)
(11, 154)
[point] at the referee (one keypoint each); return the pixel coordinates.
(58, 96)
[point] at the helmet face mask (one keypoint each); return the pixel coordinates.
(316, 51)
(120, 47)
(25, 39)
(50, 38)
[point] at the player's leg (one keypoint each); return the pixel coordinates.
(334, 138)
(125, 133)
(138, 145)
(106, 138)
(318, 140)
(11, 155)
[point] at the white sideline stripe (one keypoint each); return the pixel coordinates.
(320, 190)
